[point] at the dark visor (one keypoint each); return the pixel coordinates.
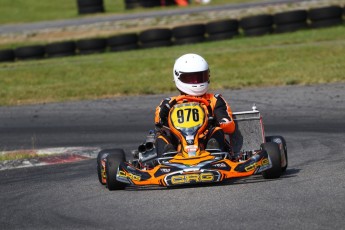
(194, 78)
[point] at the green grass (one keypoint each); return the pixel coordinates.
(305, 57)
(18, 11)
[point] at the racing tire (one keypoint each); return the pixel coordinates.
(6, 55)
(113, 160)
(102, 154)
(283, 149)
(273, 152)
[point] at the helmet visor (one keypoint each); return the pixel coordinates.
(194, 78)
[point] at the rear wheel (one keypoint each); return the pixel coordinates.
(113, 160)
(273, 152)
(283, 149)
(100, 171)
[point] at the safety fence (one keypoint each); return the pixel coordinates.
(159, 37)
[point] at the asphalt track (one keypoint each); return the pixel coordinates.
(309, 196)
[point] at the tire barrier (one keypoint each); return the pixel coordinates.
(60, 49)
(132, 4)
(220, 30)
(325, 16)
(6, 55)
(290, 21)
(212, 31)
(90, 46)
(90, 6)
(155, 38)
(257, 25)
(29, 52)
(123, 42)
(189, 34)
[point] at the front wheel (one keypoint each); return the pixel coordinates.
(273, 152)
(113, 160)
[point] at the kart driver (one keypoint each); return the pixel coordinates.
(192, 78)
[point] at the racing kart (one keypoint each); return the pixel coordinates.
(248, 153)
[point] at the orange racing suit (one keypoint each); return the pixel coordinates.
(221, 112)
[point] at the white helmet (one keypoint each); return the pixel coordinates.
(191, 74)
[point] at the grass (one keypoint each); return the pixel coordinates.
(19, 11)
(16, 155)
(305, 57)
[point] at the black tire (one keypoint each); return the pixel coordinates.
(29, 52)
(124, 47)
(326, 23)
(221, 26)
(86, 3)
(123, 39)
(282, 148)
(258, 31)
(290, 17)
(325, 13)
(113, 160)
(102, 154)
(61, 49)
(150, 3)
(6, 55)
(156, 44)
(132, 4)
(196, 30)
(91, 10)
(189, 40)
(290, 27)
(273, 151)
(259, 21)
(221, 36)
(170, 3)
(155, 35)
(94, 45)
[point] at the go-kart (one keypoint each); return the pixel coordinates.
(249, 152)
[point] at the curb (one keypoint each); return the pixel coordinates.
(50, 156)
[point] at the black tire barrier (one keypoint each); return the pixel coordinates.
(222, 36)
(6, 55)
(155, 35)
(325, 13)
(252, 26)
(326, 23)
(61, 49)
(29, 52)
(195, 30)
(290, 17)
(150, 3)
(189, 40)
(90, 6)
(258, 31)
(221, 26)
(123, 42)
(89, 46)
(291, 27)
(156, 44)
(132, 4)
(264, 20)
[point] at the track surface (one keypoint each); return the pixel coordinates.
(309, 196)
